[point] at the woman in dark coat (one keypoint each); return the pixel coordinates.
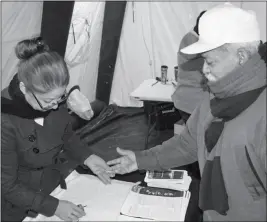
(38, 145)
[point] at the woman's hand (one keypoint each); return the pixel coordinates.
(68, 211)
(100, 168)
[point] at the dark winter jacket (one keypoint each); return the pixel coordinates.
(34, 161)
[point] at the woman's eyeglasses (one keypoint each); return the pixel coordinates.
(62, 99)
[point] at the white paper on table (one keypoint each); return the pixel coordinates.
(185, 205)
(160, 208)
(175, 186)
(126, 218)
(166, 176)
(156, 92)
(103, 201)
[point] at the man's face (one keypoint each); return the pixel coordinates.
(219, 63)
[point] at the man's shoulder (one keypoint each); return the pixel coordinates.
(188, 39)
(260, 103)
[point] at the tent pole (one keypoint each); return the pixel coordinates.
(55, 25)
(112, 25)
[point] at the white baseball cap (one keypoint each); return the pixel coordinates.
(223, 24)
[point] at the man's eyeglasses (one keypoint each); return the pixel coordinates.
(62, 99)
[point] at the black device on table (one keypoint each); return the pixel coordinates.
(160, 116)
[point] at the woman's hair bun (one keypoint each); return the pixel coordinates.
(27, 48)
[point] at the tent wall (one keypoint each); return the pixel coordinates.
(260, 9)
(150, 37)
(20, 20)
(83, 46)
(152, 40)
(134, 59)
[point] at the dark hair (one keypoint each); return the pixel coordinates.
(40, 69)
(197, 22)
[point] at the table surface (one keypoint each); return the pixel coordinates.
(154, 92)
(193, 212)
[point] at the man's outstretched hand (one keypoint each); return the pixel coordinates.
(124, 164)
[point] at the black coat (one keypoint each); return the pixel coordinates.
(34, 159)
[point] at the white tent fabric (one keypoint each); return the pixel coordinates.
(260, 9)
(134, 56)
(20, 20)
(150, 37)
(148, 42)
(83, 46)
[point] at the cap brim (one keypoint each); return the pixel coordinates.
(200, 47)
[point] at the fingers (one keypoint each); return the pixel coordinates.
(77, 211)
(104, 178)
(72, 218)
(115, 161)
(116, 168)
(106, 167)
(122, 151)
(110, 173)
(119, 169)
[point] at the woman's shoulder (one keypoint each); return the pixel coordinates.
(5, 94)
(6, 122)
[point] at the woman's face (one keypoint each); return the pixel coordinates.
(46, 101)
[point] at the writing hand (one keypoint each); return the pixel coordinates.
(69, 211)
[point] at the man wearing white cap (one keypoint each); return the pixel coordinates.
(226, 134)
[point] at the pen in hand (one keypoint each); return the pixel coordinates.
(81, 206)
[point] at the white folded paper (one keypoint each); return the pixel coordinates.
(158, 204)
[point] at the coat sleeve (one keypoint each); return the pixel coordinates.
(74, 147)
(11, 188)
(256, 149)
(178, 151)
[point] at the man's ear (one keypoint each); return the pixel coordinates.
(22, 88)
(243, 55)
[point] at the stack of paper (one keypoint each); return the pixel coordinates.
(165, 198)
(153, 203)
(171, 179)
